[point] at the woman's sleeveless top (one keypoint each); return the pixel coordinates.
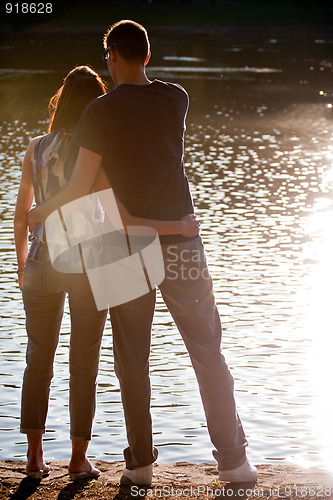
(52, 165)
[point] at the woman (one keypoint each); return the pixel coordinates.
(47, 166)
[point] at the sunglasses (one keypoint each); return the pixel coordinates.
(106, 52)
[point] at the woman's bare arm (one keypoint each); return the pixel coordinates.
(24, 201)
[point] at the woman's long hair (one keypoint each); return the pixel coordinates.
(80, 86)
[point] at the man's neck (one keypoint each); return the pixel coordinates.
(133, 81)
(131, 76)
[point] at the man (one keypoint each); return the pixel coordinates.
(136, 132)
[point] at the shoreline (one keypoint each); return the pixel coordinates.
(172, 480)
(290, 31)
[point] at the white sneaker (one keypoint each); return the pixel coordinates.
(140, 475)
(246, 473)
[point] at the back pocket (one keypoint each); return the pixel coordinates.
(33, 275)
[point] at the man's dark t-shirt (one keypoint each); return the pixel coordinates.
(139, 132)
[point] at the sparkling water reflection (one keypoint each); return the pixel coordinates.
(259, 160)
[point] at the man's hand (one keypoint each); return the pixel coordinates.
(20, 278)
(32, 218)
(191, 226)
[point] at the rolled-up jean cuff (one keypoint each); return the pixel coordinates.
(80, 438)
(23, 430)
(230, 458)
(132, 463)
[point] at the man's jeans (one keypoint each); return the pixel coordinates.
(188, 293)
(44, 292)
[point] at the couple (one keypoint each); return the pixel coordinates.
(132, 139)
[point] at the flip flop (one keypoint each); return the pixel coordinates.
(92, 474)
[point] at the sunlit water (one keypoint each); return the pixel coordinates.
(259, 157)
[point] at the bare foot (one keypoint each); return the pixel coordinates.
(35, 462)
(40, 468)
(79, 466)
(82, 465)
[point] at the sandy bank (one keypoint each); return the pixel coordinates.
(171, 480)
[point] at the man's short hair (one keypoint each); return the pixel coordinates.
(130, 39)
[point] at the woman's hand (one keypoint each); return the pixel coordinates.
(190, 226)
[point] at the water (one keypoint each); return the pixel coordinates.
(259, 156)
